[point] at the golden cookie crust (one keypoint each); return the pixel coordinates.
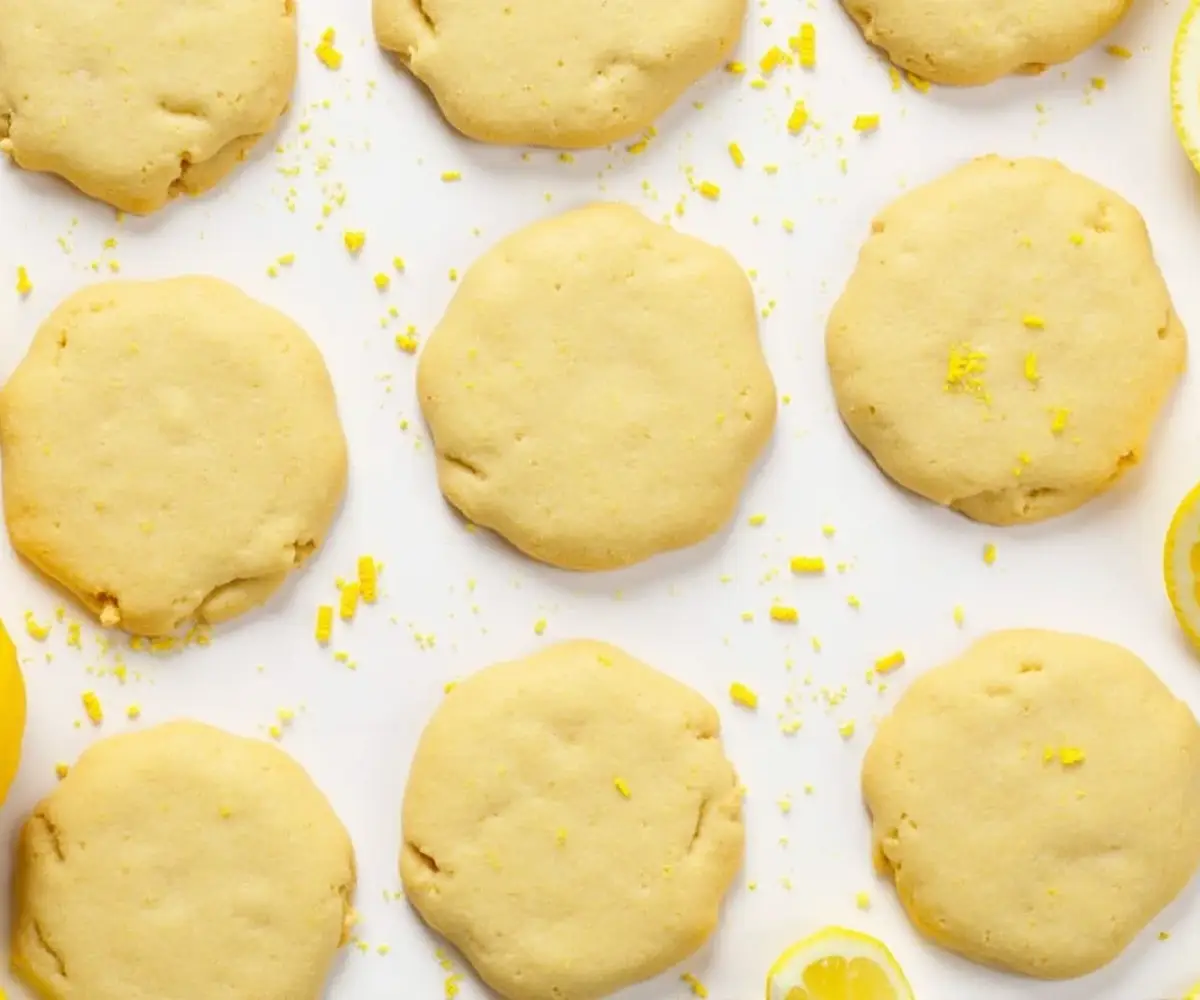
(136, 101)
(182, 861)
(596, 390)
(171, 451)
(547, 73)
(1006, 340)
(973, 42)
(1036, 801)
(590, 845)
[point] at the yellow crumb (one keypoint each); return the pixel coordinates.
(736, 154)
(853, 601)
(959, 615)
(1058, 419)
(133, 711)
(354, 240)
(61, 770)
(451, 176)
(560, 836)
(918, 84)
(798, 118)
(1031, 368)
(1119, 51)
(73, 637)
(324, 623)
(91, 705)
(1099, 83)
(368, 579)
(328, 56)
(398, 263)
(807, 564)
(757, 520)
(846, 729)
(407, 342)
(709, 190)
(1034, 322)
(698, 988)
(893, 661)
(989, 553)
(348, 605)
(287, 259)
(736, 68)
(382, 281)
(739, 694)
(894, 76)
(781, 613)
(36, 631)
(539, 627)
(862, 901)
(865, 123)
(1076, 238)
(620, 786)
(788, 227)
(24, 285)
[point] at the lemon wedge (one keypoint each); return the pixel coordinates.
(1181, 565)
(1185, 82)
(837, 964)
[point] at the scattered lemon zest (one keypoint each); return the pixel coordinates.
(805, 45)
(24, 285)
(698, 988)
(893, 661)
(324, 628)
(798, 118)
(1058, 419)
(739, 694)
(354, 240)
(865, 123)
(539, 627)
(736, 154)
(772, 59)
(133, 712)
(964, 369)
(846, 729)
(1033, 322)
(382, 281)
(61, 770)
(709, 190)
(325, 52)
(36, 631)
(784, 614)
(348, 605)
(1118, 51)
(620, 785)
(93, 708)
(451, 176)
(757, 520)
(959, 615)
(919, 84)
(807, 564)
(862, 901)
(73, 635)
(1031, 368)
(989, 553)
(1071, 756)
(736, 68)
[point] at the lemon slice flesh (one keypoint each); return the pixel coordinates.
(1185, 82)
(1181, 565)
(837, 964)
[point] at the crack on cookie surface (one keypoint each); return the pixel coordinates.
(52, 832)
(698, 830)
(426, 861)
(466, 466)
(44, 944)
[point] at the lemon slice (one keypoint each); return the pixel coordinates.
(1181, 565)
(1185, 83)
(837, 964)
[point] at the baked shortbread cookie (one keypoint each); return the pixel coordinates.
(1006, 340)
(182, 862)
(596, 391)
(1037, 801)
(571, 822)
(967, 42)
(135, 101)
(549, 73)
(171, 451)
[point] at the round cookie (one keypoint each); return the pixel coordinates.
(136, 101)
(548, 73)
(596, 391)
(970, 42)
(1037, 801)
(182, 862)
(1006, 340)
(171, 451)
(571, 822)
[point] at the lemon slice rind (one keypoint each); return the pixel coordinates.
(1185, 82)
(1178, 577)
(833, 942)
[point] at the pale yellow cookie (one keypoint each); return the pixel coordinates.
(135, 101)
(171, 451)
(1037, 801)
(571, 822)
(968, 42)
(1006, 340)
(549, 73)
(596, 390)
(182, 862)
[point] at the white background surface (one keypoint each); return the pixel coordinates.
(910, 564)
